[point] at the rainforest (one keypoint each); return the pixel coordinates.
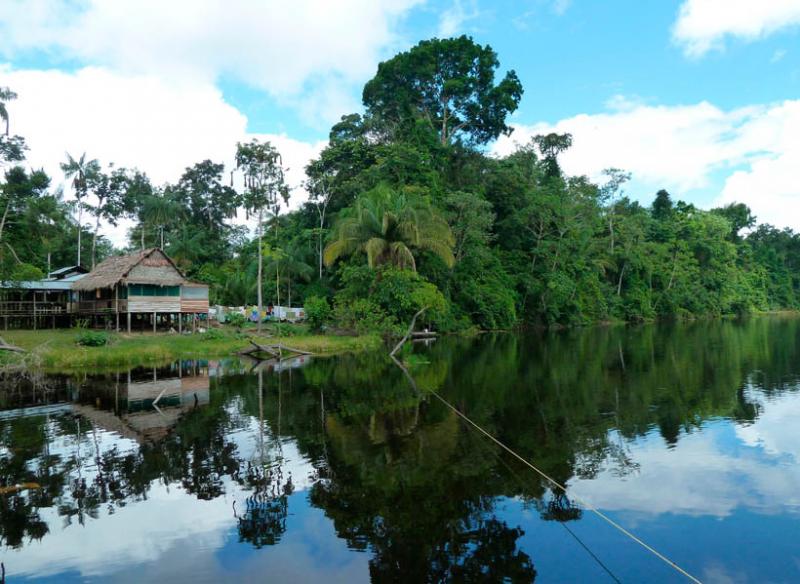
(408, 208)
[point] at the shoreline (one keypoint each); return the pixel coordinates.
(57, 351)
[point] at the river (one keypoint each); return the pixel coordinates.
(346, 469)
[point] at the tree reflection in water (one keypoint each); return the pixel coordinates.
(396, 474)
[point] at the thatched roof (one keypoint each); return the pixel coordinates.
(154, 268)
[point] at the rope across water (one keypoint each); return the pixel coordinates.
(555, 483)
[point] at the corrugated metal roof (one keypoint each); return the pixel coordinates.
(39, 285)
(65, 284)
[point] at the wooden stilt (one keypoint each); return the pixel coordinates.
(129, 323)
(180, 322)
(154, 322)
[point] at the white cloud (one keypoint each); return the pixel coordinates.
(778, 55)
(561, 6)
(708, 474)
(136, 120)
(452, 20)
(703, 25)
(269, 45)
(686, 147)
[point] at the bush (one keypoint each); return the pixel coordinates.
(235, 319)
(213, 335)
(364, 316)
(401, 293)
(92, 339)
(25, 272)
(318, 311)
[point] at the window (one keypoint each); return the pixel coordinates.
(195, 293)
(151, 290)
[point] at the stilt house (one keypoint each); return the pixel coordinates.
(141, 290)
(40, 303)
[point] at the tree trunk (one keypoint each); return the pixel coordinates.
(80, 218)
(260, 269)
(94, 240)
(321, 227)
(674, 267)
(619, 284)
(3, 220)
(611, 231)
(277, 269)
(444, 122)
(142, 233)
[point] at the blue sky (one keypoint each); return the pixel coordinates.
(697, 96)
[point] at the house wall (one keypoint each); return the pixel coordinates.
(194, 298)
(154, 304)
(194, 305)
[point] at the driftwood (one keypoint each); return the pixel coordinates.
(6, 347)
(275, 350)
(423, 334)
(409, 333)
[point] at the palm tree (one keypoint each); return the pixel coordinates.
(81, 171)
(389, 226)
(6, 95)
(159, 209)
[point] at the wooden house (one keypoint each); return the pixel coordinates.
(141, 290)
(40, 303)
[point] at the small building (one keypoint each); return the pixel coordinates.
(141, 290)
(40, 303)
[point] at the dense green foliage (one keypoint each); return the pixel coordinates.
(407, 186)
(88, 338)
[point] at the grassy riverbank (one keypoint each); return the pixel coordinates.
(58, 350)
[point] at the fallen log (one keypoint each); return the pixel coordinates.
(423, 334)
(6, 347)
(409, 333)
(275, 350)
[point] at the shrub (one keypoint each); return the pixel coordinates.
(363, 316)
(401, 293)
(24, 272)
(92, 338)
(213, 335)
(318, 311)
(235, 319)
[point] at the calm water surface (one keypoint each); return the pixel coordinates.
(337, 470)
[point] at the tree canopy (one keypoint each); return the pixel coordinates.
(407, 209)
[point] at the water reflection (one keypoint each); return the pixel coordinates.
(206, 471)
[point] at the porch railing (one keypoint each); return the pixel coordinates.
(96, 306)
(30, 308)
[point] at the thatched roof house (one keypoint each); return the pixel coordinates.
(145, 282)
(151, 266)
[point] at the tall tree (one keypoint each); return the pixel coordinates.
(319, 195)
(264, 189)
(6, 95)
(12, 148)
(82, 172)
(108, 190)
(447, 86)
(138, 191)
(550, 146)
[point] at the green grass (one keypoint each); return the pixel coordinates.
(58, 350)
